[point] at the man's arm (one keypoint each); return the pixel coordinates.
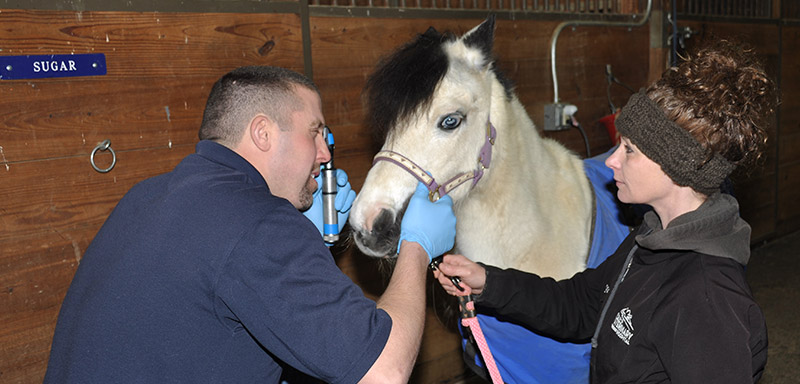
(427, 230)
(404, 301)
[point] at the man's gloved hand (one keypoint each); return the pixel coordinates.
(432, 225)
(344, 201)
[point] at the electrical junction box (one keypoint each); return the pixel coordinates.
(556, 116)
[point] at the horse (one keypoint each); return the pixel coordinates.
(449, 118)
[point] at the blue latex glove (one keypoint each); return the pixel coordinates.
(432, 225)
(344, 201)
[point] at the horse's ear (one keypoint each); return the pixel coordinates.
(432, 33)
(482, 37)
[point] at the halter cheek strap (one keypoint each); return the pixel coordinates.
(436, 191)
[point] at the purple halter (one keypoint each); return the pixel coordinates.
(436, 191)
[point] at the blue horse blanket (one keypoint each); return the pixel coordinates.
(527, 358)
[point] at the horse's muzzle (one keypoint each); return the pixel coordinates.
(382, 240)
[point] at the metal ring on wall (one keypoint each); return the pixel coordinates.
(105, 145)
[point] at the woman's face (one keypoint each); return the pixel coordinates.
(639, 179)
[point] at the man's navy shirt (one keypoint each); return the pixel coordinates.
(202, 275)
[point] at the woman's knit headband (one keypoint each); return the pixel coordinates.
(680, 156)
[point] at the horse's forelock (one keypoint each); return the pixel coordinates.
(405, 81)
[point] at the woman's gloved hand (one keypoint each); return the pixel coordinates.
(431, 225)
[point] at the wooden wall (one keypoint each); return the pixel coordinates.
(788, 133)
(758, 190)
(161, 66)
(768, 194)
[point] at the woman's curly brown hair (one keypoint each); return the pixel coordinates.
(723, 97)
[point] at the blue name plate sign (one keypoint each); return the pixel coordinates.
(41, 66)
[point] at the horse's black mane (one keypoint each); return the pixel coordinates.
(406, 80)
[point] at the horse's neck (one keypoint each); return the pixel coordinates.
(535, 201)
(523, 148)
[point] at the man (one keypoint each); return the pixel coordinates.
(210, 273)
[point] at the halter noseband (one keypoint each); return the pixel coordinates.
(436, 191)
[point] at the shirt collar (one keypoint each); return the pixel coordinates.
(223, 155)
(715, 228)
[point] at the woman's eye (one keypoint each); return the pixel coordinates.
(628, 149)
(451, 121)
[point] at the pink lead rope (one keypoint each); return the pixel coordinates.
(468, 319)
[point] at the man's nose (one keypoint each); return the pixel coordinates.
(324, 154)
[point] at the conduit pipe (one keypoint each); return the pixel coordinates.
(560, 27)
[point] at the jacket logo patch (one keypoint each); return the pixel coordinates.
(623, 325)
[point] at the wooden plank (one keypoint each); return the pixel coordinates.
(582, 55)
(37, 269)
(789, 129)
(788, 196)
(33, 284)
(156, 43)
(762, 224)
(67, 192)
(788, 219)
(160, 70)
(25, 353)
(369, 39)
(439, 360)
(756, 196)
(438, 339)
(448, 369)
(760, 199)
(764, 37)
(52, 210)
(52, 120)
(789, 145)
(365, 271)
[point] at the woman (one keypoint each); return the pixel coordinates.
(672, 304)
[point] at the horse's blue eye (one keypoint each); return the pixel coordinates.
(451, 122)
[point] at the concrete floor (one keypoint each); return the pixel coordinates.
(774, 277)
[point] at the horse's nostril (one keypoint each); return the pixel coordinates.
(382, 240)
(383, 223)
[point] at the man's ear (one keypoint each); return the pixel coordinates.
(261, 131)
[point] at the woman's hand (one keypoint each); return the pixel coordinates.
(472, 275)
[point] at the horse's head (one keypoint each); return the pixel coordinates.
(429, 104)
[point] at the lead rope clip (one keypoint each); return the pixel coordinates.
(466, 305)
